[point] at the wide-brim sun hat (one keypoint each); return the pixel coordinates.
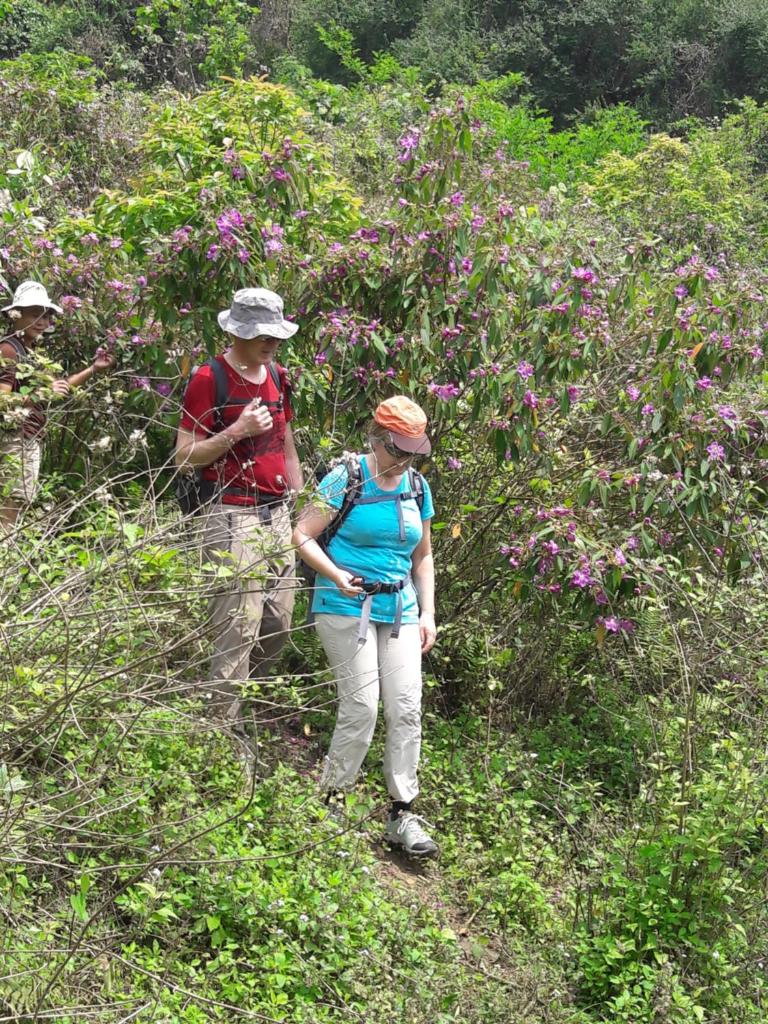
(407, 424)
(31, 293)
(256, 312)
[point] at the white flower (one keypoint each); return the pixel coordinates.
(138, 436)
(103, 443)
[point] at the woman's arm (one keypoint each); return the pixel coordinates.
(101, 364)
(423, 572)
(314, 518)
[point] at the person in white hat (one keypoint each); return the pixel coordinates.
(31, 314)
(235, 431)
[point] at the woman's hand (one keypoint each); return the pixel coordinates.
(347, 583)
(60, 388)
(427, 631)
(103, 362)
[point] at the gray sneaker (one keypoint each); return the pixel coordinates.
(405, 831)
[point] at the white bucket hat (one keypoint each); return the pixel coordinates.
(31, 293)
(255, 312)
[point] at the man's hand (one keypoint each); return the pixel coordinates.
(61, 388)
(255, 419)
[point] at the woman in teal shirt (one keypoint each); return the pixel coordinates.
(374, 607)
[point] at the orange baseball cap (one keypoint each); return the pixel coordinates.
(406, 422)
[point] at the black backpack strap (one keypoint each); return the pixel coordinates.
(221, 394)
(416, 481)
(352, 492)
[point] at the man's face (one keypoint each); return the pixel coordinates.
(31, 321)
(264, 347)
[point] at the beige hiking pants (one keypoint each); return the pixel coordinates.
(383, 666)
(19, 467)
(252, 609)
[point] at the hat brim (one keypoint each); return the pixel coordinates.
(285, 329)
(420, 445)
(29, 305)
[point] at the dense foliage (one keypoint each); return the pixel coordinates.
(582, 314)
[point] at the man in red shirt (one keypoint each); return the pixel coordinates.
(24, 415)
(246, 452)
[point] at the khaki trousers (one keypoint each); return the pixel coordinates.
(19, 466)
(251, 612)
(383, 666)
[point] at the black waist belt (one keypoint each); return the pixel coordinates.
(259, 497)
(376, 587)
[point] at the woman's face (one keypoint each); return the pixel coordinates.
(389, 457)
(32, 321)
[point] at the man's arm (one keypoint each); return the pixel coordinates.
(294, 475)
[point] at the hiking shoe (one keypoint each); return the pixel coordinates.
(405, 831)
(335, 807)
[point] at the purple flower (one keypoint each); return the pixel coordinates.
(584, 274)
(466, 265)
(704, 383)
(612, 624)
(619, 557)
(574, 392)
(530, 400)
(581, 579)
(716, 452)
(681, 291)
(408, 143)
(551, 547)
(140, 383)
(525, 370)
(163, 388)
(243, 255)
(456, 199)
(280, 174)
(726, 412)
(212, 253)
(229, 221)
(633, 392)
(71, 302)
(445, 391)
(648, 409)
(454, 464)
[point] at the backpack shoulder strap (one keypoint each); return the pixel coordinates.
(16, 345)
(416, 481)
(222, 392)
(352, 492)
(276, 378)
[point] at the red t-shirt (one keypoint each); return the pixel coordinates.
(255, 464)
(9, 357)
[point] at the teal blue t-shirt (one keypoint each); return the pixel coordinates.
(368, 544)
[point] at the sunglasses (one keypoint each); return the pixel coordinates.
(395, 452)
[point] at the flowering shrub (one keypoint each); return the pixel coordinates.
(626, 387)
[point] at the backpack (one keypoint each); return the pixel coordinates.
(193, 491)
(353, 495)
